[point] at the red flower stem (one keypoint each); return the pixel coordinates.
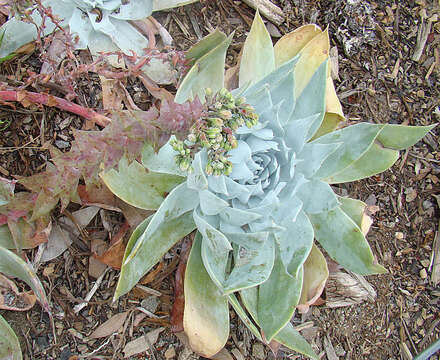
(50, 100)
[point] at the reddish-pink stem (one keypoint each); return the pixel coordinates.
(50, 100)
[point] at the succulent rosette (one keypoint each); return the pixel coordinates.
(260, 207)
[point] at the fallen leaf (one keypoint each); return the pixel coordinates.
(112, 325)
(142, 343)
(59, 241)
(12, 299)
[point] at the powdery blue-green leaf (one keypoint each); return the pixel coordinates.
(207, 72)
(355, 140)
(151, 249)
(400, 137)
(206, 314)
(9, 344)
(258, 58)
(163, 161)
(211, 204)
(292, 339)
(205, 45)
(215, 249)
(355, 209)
(312, 156)
(252, 266)
(134, 10)
(344, 242)
(159, 5)
(374, 161)
(277, 298)
(139, 187)
(295, 242)
(13, 265)
(317, 196)
(197, 179)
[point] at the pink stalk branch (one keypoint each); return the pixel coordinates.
(27, 98)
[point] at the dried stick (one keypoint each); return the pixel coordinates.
(267, 9)
(27, 97)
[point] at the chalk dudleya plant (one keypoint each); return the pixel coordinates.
(258, 212)
(100, 25)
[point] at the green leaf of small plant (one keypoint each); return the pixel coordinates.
(9, 344)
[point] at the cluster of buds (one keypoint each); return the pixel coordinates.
(215, 132)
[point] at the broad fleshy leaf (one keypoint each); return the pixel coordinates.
(356, 210)
(282, 292)
(139, 187)
(206, 314)
(258, 58)
(344, 242)
(12, 265)
(207, 72)
(159, 5)
(9, 344)
(292, 339)
(241, 312)
(400, 137)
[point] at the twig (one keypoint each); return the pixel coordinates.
(422, 37)
(79, 307)
(27, 97)
(267, 9)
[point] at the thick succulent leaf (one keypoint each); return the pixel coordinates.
(134, 10)
(355, 140)
(241, 312)
(206, 314)
(292, 339)
(295, 242)
(400, 137)
(151, 249)
(288, 46)
(9, 344)
(258, 58)
(215, 249)
(312, 156)
(211, 204)
(315, 277)
(333, 107)
(251, 266)
(162, 161)
(139, 187)
(277, 298)
(329, 124)
(317, 196)
(13, 265)
(355, 209)
(159, 5)
(205, 45)
(312, 55)
(197, 179)
(344, 242)
(207, 72)
(374, 161)
(312, 100)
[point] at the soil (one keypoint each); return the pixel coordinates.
(378, 82)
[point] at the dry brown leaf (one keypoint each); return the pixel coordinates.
(112, 325)
(12, 299)
(142, 343)
(223, 354)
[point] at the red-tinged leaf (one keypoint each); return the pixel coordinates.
(98, 195)
(12, 299)
(6, 190)
(274, 346)
(28, 234)
(179, 296)
(112, 325)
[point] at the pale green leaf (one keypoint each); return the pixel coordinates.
(258, 58)
(205, 45)
(207, 72)
(355, 209)
(355, 140)
(163, 161)
(277, 298)
(139, 187)
(292, 339)
(317, 196)
(344, 242)
(9, 344)
(159, 5)
(13, 265)
(400, 137)
(206, 314)
(374, 161)
(251, 266)
(295, 242)
(215, 249)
